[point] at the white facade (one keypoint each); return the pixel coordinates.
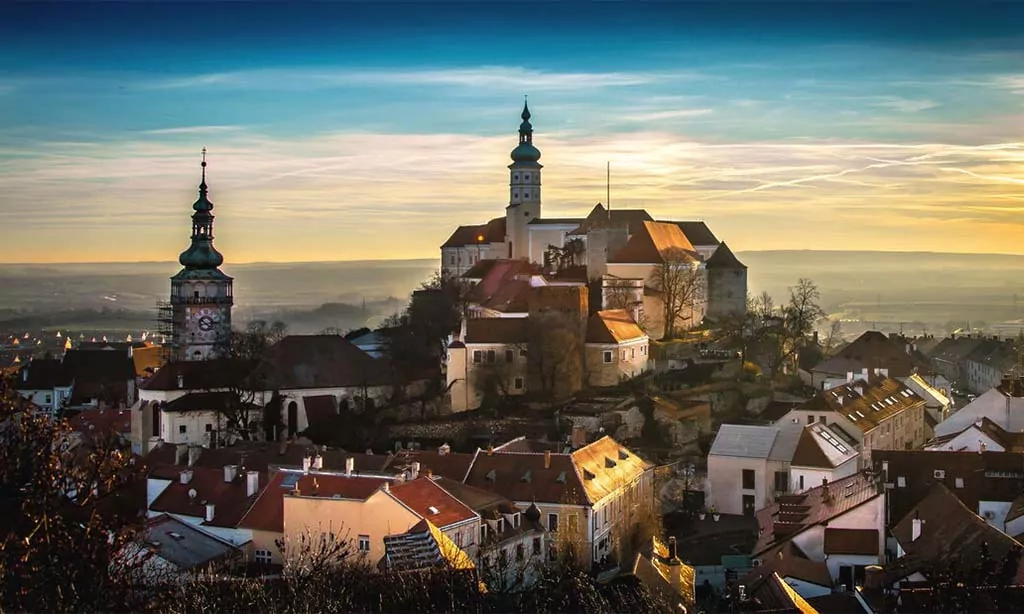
(806, 478)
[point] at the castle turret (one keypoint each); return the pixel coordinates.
(524, 188)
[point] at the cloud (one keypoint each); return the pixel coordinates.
(190, 130)
(485, 77)
(905, 105)
(658, 116)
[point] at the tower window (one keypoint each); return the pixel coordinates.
(516, 177)
(515, 195)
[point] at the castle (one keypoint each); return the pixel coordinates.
(612, 249)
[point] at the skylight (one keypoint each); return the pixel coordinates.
(290, 480)
(434, 510)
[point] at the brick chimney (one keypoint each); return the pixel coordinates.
(547, 459)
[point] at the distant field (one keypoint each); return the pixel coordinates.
(880, 289)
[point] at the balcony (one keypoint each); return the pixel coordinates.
(201, 300)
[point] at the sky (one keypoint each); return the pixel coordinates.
(348, 130)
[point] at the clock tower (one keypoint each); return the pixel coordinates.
(201, 295)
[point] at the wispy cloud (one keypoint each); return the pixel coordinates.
(191, 130)
(905, 105)
(660, 116)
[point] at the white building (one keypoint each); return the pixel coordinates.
(1003, 405)
(749, 466)
(824, 454)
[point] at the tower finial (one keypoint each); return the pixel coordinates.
(203, 164)
(526, 108)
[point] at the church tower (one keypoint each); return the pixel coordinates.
(524, 189)
(201, 295)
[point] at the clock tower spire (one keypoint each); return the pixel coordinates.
(201, 295)
(524, 188)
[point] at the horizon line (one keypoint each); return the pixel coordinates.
(366, 260)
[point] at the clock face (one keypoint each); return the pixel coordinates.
(206, 323)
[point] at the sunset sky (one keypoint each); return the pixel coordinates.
(342, 131)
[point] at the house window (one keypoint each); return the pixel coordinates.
(182, 429)
(47, 399)
(483, 533)
(632, 352)
(503, 558)
(262, 556)
(510, 355)
(810, 419)
(522, 353)
(490, 356)
(536, 545)
(748, 479)
(623, 354)
(478, 356)
(364, 543)
(520, 552)
(518, 384)
(452, 260)
(458, 539)
(801, 482)
(959, 482)
(607, 356)
(553, 523)
(209, 428)
(901, 481)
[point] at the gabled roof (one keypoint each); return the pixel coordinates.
(201, 401)
(229, 498)
(1010, 442)
(504, 284)
(97, 421)
(792, 514)
(613, 326)
(954, 349)
(43, 374)
(653, 243)
(479, 234)
(723, 258)
(873, 350)
(424, 546)
(523, 477)
(866, 403)
(496, 330)
(790, 562)
(630, 219)
(748, 441)
(999, 355)
(450, 465)
(430, 501)
(698, 233)
(606, 465)
(771, 594)
(99, 366)
(321, 361)
(655, 569)
(822, 447)
(949, 530)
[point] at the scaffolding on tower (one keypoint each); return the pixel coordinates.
(165, 328)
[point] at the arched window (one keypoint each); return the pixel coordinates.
(155, 430)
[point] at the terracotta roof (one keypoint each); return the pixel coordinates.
(653, 244)
(790, 562)
(770, 593)
(96, 421)
(867, 403)
(229, 498)
(723, 258)
(792, 514)
(522, 477)
(851, 541)
(496, 330)
(480, 269)
(432, 502)
(949, 530)
(613, 326)
(630, 219)
(605, 466)
(697, 233)
(322, 361)
(504, 284)
(451, 465)
(873, 350)
(491, 232)
(320, 407)
(267, 514)
(476, 499)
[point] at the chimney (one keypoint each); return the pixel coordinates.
(915, 531)
(849, 377)
(209, 512)
(230, 471)
(673, 550)
(444, 450)
(547, 459)
(865, 373)
(307, 462)
(181, 381)
(350, 466)
(490, 450)
(252, 483)
(318, 461)
(414, 470)
(839, 400)
(825, 494)
(24, 374)
(193, 454)
(181, 454)
(186, 476)
(873, 577)
(386, 487)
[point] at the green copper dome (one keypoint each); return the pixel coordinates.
(525, 151)
(201, 254)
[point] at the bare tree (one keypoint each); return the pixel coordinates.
(801, 315)
(763, 305)
(834, 336)
(555, 354)
(246, 374)
(682, 286)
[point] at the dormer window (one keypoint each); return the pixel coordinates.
(515, 520)
(501, 526)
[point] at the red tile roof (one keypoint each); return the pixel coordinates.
(267, 514)
(452, 465)
(491, 232)
(229, 498)
(523, 477)
(653, 244)
(97, 421)
(613, 326)
(808, 453)
(789, 562)
(432, 502)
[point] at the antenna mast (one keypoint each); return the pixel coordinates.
(608, 189)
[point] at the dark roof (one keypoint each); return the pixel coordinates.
(43, 374)
(777, 409)
(770, 594)
(97, 421)
(723, 258)
(184, 546)
(874, 350)
(99, 366)
(972, 477)
(994, 353)
(949, 530)
(697, 232)
(201, 401)
(954, 349)
(195, 375)
(480, 269)
(322, 361)
(836, 603)
(792, 514)
(451, 465)
(630, 219)
(540, 221)
(476, 499)
(790, 562)
(497, 330)
(851, 541)
(504, 284)
(491, 232)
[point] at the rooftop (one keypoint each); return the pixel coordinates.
(749, 441)
(613, 326)
(654, 243)
(867, 402)
(183, 545)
